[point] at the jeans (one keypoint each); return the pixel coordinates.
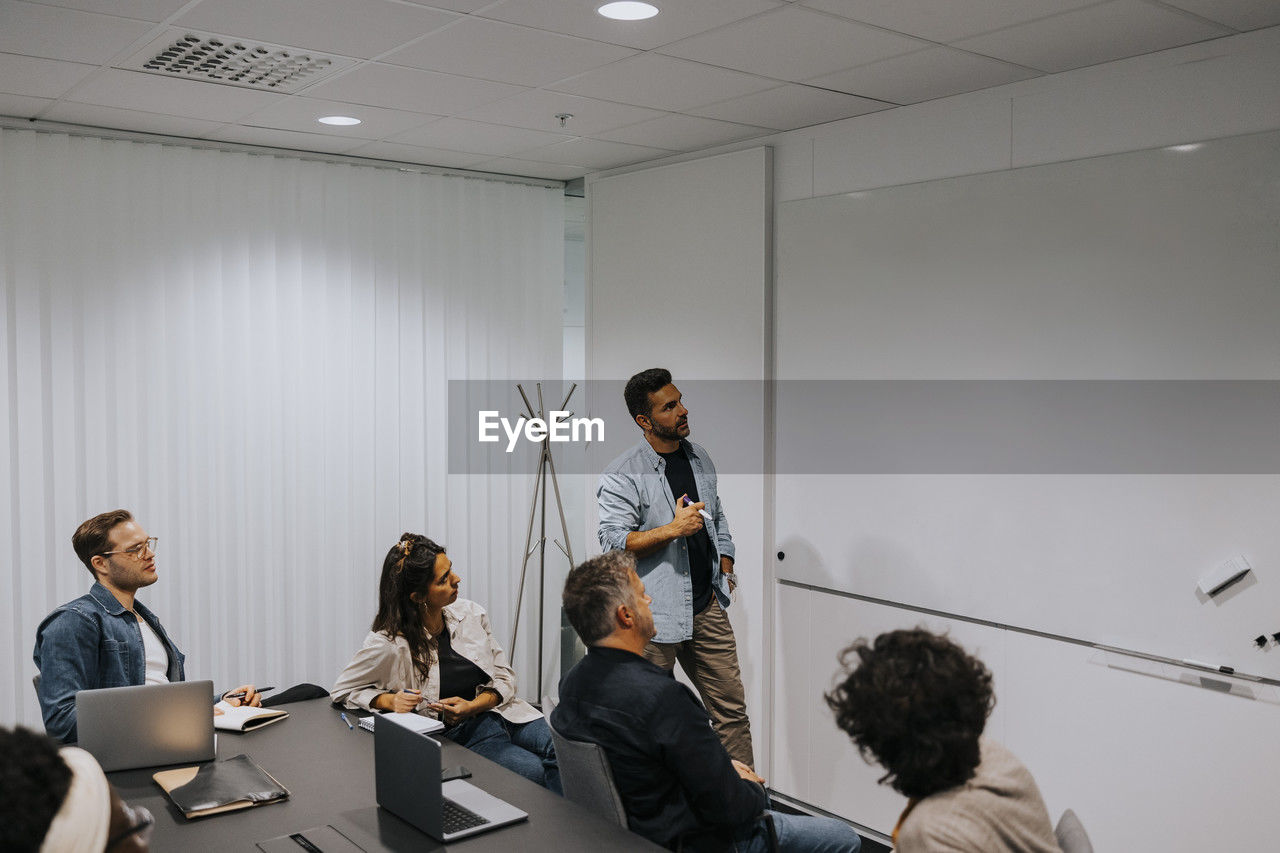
(523, 748)
(799, 834)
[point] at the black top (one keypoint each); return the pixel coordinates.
(458, 676)
(701, 554)
(673, 774)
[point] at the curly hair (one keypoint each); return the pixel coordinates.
(916, 703)
(409, 567)
(33, 783)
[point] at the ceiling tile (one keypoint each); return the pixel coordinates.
(493, 50)
(143, 10)
(133, 90)
(538, 108)
(949, 20)
(1240, 15)
(596, 153)
(20, 106)
(284, 139)
(40, 78)
(399, 153)
(454, 5)
(410, 89)
(791, 106)
(365, 29)
(663, 83)
(766, 45)
(31, 29)
(678, 19)
(1114, 30)
(300, 114)
(684, 133)
(456, 134)
(143, 122)
(925, 75)
(531, 169)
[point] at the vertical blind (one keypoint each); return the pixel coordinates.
(252, 353)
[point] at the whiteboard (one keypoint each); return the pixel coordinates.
(1150, 265)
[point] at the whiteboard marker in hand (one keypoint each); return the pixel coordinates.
(701, 512)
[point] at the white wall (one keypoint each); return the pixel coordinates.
(1149, 764)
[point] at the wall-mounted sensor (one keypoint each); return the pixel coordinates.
(1224, 575)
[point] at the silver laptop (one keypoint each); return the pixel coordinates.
(148, 725)
(407, 774)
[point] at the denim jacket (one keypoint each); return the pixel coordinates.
(634, 495)
(89, 643)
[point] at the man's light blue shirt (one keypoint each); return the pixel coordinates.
(634, 495)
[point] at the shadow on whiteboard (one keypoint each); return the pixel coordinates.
(868, 567)
(1249, 581)
(1236, 686)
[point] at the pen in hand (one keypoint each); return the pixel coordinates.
(239, 694)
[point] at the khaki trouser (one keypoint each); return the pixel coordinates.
(710, 659)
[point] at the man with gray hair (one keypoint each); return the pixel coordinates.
(677, 783)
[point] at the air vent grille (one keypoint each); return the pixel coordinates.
(235, 62)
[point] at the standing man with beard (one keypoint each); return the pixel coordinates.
(659, 501)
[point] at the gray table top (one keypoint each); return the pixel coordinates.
(328, 770)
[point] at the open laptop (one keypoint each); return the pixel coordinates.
(407, 774)
(148, 725)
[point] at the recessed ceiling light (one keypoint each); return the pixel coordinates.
(628, 10)
(342, 121)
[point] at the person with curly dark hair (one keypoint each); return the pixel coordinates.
(433, 653)
(60, 800)
(916, 704)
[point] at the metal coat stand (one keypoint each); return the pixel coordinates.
(538, 509)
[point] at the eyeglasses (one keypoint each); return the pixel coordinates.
(136, 551)
(141, 824)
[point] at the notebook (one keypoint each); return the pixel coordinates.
(407, 777)
(245, 718)
(417, 722)
(148, 725)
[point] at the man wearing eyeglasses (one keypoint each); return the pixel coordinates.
(106, 638)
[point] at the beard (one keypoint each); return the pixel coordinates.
(674, 433)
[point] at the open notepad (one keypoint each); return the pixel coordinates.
(417, 722)
(245, 718)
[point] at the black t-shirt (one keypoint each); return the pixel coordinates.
(458, 676)
(701, 554)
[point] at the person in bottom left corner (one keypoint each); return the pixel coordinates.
(106, 637)
(431, 652)
(59, 801)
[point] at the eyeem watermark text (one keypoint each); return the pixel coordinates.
(559, 428)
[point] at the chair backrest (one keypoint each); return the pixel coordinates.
(1071, 835)
(587, 778)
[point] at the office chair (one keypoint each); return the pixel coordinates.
(1071, 835)
(587, 778)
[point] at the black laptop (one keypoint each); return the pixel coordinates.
(407, 773)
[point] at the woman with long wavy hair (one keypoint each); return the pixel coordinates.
(433, 653)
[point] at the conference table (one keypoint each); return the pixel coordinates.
(328, 770)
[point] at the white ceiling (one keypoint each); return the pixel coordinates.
(478, 85)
